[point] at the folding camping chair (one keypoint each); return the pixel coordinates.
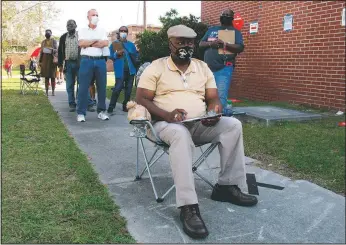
(140, 131)
(29, 81)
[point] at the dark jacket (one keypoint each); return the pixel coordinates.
(61, 50)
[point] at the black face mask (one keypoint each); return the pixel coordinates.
(184, 53)
(71, 31)
(227, 21)
(48, 35)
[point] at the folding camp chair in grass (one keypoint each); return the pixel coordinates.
(29, 82)
(140, 131)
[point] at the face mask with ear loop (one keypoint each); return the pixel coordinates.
(184, 53)
(123, 35)
(94, 20)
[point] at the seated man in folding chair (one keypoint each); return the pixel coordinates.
(176, 88)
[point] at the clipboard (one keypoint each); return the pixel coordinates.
(196, 119)
(228, 36)
(117, 46)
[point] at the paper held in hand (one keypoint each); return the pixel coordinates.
(228, 36)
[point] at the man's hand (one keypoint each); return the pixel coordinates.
(120, 53)
(213, 121)
(97, 44)
(177, 115)
(60, 69)
(218, 43)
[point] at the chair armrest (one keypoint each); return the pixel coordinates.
(145, 124)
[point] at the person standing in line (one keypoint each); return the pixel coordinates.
(124, 68)
(48, 60)
(69, 57)
(222, 65)
(93, 41)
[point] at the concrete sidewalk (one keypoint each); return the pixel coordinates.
(301, 213)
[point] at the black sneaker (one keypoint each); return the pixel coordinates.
(124, 108)
(232, 194)
(72, 108)
(91, 108)
(110, 110)
(193, 225)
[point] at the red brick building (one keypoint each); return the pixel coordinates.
(304, 66)
(136, 29)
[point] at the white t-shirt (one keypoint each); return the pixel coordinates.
(93, 34)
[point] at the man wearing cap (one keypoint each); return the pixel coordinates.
(179, 87)
(222, 65)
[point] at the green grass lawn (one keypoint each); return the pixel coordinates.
(15, 72)
(312, 150)
(50, 192)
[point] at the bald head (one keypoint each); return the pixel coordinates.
(71, 26)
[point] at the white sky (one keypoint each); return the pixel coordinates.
(113, 14)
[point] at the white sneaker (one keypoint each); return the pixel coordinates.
(80, 118)
(103, 115)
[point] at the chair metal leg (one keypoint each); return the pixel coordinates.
(205, 180)
(151, 161)
(204, 156)
(148, 170)
(205, 160)
(137, 162)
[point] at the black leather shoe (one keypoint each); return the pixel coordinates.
(72, 107)
(193, 225)
(124, 108)
(91, 108)
(110, 110)
(232, 194)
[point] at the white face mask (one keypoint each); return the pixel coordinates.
(94, 20)
(123, 35)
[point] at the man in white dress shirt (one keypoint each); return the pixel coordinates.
(94, 43)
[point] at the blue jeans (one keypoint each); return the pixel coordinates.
(71, 74)
(223, 82)
(121, 83)
(88, 68)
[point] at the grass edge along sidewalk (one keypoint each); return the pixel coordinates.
(50, 192)
(312, 150)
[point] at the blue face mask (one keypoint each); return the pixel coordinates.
(123, 35)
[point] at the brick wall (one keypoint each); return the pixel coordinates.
(304, 66)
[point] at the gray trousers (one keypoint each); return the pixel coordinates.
(182, 139)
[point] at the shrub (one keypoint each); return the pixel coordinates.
(153, 45)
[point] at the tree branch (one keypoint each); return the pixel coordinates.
(24, 10)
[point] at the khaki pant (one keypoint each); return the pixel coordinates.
(182, 140)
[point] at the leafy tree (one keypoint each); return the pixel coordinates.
(23, 22)
(155, 45)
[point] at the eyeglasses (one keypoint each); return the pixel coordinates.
(123, 31)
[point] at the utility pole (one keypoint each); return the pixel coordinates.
(145, 15)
